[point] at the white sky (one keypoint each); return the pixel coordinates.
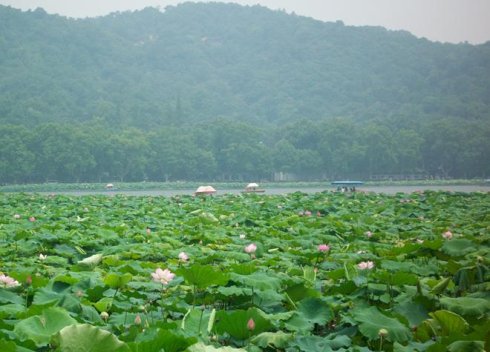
(438, 20)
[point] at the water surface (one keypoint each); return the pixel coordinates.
(277, 190)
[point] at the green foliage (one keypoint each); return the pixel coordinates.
(40, 328)
(262, 92)
(372, 321)
(83, 337)
(421, 294)
(203, 276)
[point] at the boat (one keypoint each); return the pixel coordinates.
(344, 186)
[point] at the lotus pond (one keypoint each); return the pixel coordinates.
(297, 272)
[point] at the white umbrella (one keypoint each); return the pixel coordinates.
(205, 190)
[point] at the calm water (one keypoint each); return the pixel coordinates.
(377, 189)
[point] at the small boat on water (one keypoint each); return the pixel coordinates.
(344, 186)
(253, 188)
(204, 191)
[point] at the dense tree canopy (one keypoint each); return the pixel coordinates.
(222, 91)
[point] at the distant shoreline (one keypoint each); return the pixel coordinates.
(149, 186)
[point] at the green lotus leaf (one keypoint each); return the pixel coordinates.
(414, 310)
(195, 322)
(412, 346)
(8, 346)
(466, 346)
(64, 298)
(321, 344)
(267, 300)
(276, 340)
(90, 314)
(40, 328)
(310, 311)
(466, 306)
(235, 323)
(7, 296)
(84, 337)
(234, 291)
(117, 281)
(458, 247)
(372, 320)
(10, 310)
(203, 276)
(67, 279)
(104, 304)
(243, 268)
(299, 291)
(259, 280)
(450, 323)
(165, 340)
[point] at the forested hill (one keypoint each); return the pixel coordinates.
(222, 91)
(196, 62)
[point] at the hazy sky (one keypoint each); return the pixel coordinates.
(438, 20)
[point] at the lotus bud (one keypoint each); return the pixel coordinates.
(382, 332)
(104, 316)
(251, 324)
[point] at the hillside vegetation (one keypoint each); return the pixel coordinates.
(226, 92)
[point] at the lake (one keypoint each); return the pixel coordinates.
(278, 190)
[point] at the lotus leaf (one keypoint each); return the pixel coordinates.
(84, 337)
(40, 328)
(467, 306)
(458, 247)
(203, 276)
(277, 340)
(235, 323)
(372, 321)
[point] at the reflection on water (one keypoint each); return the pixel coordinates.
(377, 189)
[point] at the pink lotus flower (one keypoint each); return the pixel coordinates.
(162, 276)
(32, 219)
(368, 234)
(148, 231)
(137, 320)
(365, 265)
(7, 281)
(447, 235)
(307, 213)
(323, 247)
(251, 248)
(183, 257)
(251, 324)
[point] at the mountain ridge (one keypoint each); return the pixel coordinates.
(274, 66)
(226, 92)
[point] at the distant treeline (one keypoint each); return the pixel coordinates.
(227, 92)
(227, 150)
